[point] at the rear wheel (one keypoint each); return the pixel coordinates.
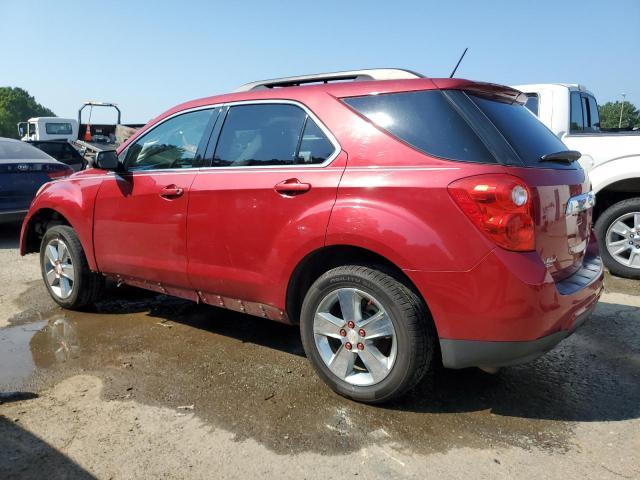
(368, 336)
(65, 270)
(618, 232)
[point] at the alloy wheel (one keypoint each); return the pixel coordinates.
(58, 268)
(355, 337)
(623, 239)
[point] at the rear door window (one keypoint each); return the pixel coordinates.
(270, 134)
(577, 116)
(425, 120)
(594, 116)
(315, 147)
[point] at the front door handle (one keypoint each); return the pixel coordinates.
(171, 191)
(292, 186)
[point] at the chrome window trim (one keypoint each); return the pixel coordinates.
(332, 139)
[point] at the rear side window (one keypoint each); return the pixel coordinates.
(60, 151)
(58, 128)
(426, 120)
(523, 131)
(270, 134)
(577, 118)
(594, 116)
(584, 113)
(54, 149)
(532, 103)
(21, 151)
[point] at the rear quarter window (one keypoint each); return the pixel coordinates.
(427, 121)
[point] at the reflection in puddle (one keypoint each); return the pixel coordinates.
(16, 361)
(250, 377)
(64, 340)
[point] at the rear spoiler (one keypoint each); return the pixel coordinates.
(493, 91)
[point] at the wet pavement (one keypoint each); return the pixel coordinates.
(250, 377)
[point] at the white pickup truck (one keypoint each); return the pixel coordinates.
(612, 160)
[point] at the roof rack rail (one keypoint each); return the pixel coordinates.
(355, 75)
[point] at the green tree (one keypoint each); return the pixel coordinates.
(610, 115)
(16, 105)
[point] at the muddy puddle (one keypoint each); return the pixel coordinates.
(250, 377)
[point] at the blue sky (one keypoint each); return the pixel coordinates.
(149, 56)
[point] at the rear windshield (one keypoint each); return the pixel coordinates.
(454, 125)
(21, 151)
(525, 133)
(58, 128)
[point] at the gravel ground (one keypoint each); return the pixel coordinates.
(146, 386)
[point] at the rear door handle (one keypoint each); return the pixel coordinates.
(171, 191)
(292, 186)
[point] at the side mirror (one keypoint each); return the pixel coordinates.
(107, 160)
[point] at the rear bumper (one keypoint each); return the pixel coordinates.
(508, 309)
(472, 353)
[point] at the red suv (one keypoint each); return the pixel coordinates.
(400, 221)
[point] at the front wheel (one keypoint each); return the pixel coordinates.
(618, 232)
(368, 336)
(65, 270)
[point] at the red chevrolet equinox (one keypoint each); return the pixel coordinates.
(400, 221)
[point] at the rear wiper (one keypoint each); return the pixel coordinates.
(567, 156)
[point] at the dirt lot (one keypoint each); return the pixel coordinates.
(147, 386)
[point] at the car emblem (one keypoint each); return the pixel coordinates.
(22, 167)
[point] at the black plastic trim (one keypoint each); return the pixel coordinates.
(475, 353)
(591, 269)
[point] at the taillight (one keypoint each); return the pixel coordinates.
(53, 174)
(500, 206)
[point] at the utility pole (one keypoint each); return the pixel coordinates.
(621, 109)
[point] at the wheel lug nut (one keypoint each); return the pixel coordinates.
(351, 324)
(360, 346)
(361, 332)
(343, 332)
(348, 346)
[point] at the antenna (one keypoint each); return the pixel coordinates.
(458, 64)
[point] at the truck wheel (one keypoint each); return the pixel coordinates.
(618, 232)
(65, 270)
(368, 336)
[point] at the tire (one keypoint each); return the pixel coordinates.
(69, 280)
(406, 355)
(622, 211)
